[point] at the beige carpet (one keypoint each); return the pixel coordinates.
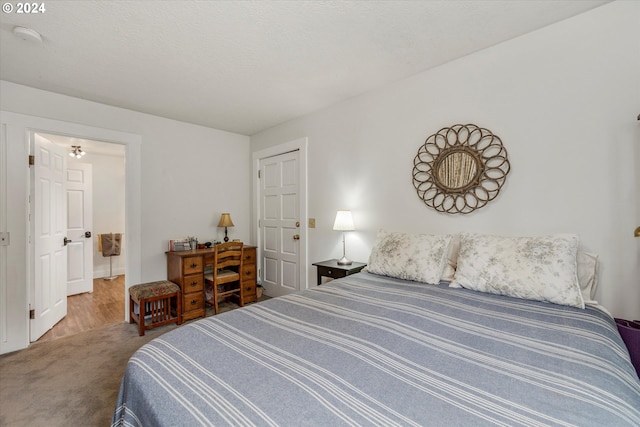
(71, 381)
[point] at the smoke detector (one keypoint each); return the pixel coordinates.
(27, 34)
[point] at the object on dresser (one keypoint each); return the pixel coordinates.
(177, 245)
(225, 221)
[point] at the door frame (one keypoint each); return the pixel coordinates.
(14, 323)
(299, 145)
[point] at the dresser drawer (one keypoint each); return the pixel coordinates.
(191, 302)
(249, 256)
(194, 283)
(249, 272)
(192, 265)
(249, 291)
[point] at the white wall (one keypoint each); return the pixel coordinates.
(564, 101)
(188, 175)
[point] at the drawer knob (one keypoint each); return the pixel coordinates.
(194, 283)
(194, 301)
(330, 271)
(194, 265)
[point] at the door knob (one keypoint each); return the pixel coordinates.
(87, 234)
(296, 237)
(67, 241)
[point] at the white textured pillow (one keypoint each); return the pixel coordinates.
(588, 275)
(542, 268)
(418, 257)
(452, 258)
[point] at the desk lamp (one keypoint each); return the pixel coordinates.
(344, 222)
(225, 221)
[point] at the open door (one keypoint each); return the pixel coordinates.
(48, 300)
(79, 225)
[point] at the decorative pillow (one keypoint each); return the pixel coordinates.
(418, 257)
(588, 275)
(540, 268)
(452, 258)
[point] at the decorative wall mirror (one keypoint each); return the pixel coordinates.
(460, 169)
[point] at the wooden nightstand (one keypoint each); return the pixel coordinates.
(331, 269)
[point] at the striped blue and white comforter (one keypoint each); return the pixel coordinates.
(371, 350)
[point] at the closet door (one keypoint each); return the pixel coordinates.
(280, 223)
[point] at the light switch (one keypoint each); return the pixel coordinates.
(312, 223)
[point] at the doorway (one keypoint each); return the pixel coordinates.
(15, 250)
(95, 209)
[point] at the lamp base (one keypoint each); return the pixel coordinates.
(344, 261)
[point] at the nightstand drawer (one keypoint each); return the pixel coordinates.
(332, 272)
(332, 269)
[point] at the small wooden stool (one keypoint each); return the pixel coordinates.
(154, 304)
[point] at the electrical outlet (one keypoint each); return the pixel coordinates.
(312, 223)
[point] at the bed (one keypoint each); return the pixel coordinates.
(370, 349)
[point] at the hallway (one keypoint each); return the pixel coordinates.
(104, 306)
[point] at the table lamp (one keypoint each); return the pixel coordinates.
(344, 222)
(225, 221)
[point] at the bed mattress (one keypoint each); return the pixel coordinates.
(377, 351)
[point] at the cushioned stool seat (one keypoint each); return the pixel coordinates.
(155, 304)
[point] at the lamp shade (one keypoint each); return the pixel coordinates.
(344, 221)
(225, 220)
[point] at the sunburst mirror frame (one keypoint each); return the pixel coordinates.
(460, 169)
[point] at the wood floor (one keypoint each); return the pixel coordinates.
(104, 306)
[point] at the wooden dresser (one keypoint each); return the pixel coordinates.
(186, 269)
(249, 274)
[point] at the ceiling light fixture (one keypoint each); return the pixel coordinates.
(76, 151)
(27, 34)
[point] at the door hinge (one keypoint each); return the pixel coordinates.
(32, 314)
(259, 173)
(32, 160)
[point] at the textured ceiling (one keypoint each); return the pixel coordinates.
(247, 66)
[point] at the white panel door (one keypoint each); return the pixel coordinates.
(280, 224)
(48, 207)
(79, 223)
